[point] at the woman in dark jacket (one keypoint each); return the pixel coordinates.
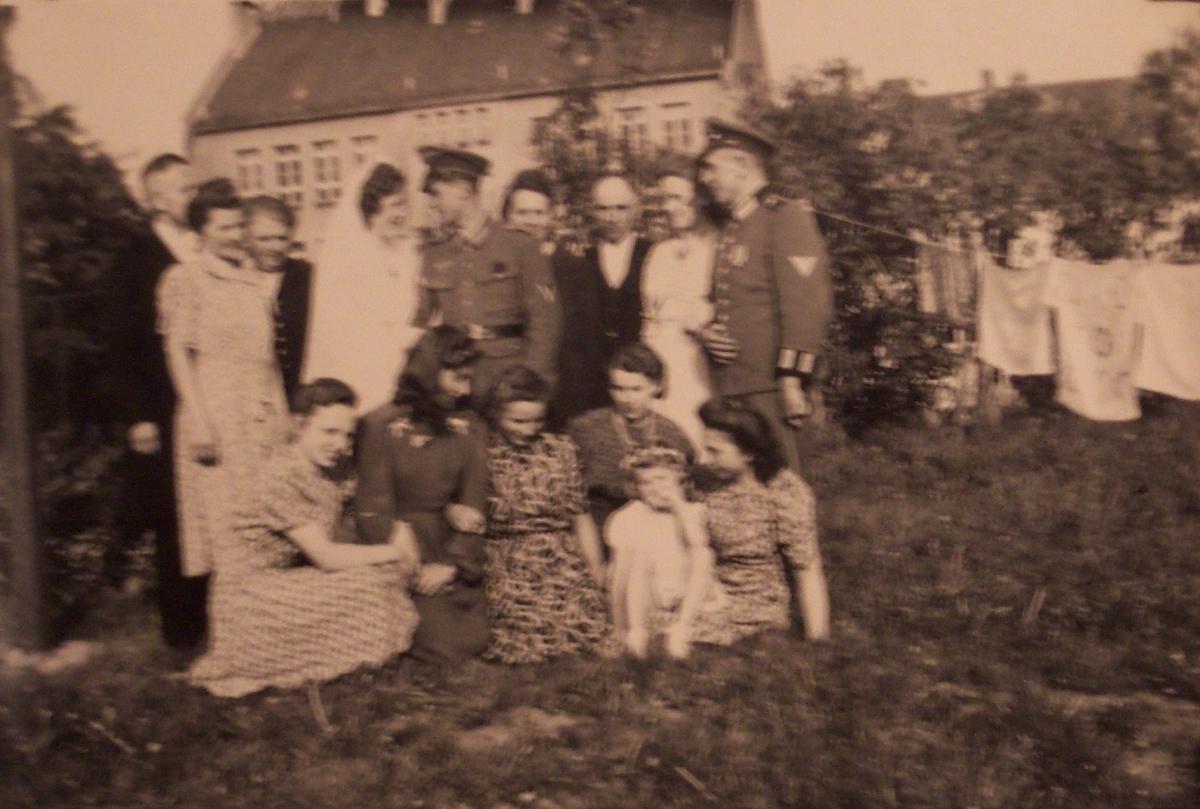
(422, 460)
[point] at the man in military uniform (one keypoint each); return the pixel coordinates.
(772, 294)
(490, 281)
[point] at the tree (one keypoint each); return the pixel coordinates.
(862, 153)
(75, 216)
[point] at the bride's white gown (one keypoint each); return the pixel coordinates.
(675, 302)
(364, 299)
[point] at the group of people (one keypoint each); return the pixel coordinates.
(495, 445)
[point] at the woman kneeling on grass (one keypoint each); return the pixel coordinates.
(761, 519)
(277, 621)
(544, 567)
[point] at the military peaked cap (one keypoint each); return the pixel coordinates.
(444, 164)
(725, 134)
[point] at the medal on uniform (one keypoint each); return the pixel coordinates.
(739, 255)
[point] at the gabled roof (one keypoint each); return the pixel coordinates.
(307, 69)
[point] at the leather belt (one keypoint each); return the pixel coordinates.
(477, 331)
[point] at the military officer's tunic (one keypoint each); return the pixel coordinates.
(772, 290)
(497, 286)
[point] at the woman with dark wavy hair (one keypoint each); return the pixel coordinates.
(422, 462)
(364, 294)
(762, 525)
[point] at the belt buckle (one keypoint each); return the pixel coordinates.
(477, 332)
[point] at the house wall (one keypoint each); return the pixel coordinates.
(308, 164)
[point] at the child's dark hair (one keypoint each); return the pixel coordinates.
(385, 180)
(639, 358)
(750, 431)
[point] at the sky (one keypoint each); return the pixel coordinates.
(131, 68)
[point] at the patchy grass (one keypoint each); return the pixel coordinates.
(1016, 619)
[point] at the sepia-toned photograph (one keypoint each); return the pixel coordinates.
(600, 404)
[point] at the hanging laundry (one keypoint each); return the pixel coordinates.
(1168, 297)
(1013, 319)
(1095, 321)
(945, 281)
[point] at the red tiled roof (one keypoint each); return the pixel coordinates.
(308, 69)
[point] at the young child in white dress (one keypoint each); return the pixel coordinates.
(661, 572)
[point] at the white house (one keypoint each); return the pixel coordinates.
(312, 87)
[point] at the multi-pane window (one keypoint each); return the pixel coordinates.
(250, 179)
(677, 126)
(327, 172)
(632, 127)
(289, 175)
(362, 147)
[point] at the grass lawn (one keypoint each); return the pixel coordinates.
(1016, 616)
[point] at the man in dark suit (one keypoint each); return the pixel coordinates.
(601, 296)
(148, 401)
(270, 226)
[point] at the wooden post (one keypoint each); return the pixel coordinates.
(27, 601)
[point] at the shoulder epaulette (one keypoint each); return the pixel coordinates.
(772, 201)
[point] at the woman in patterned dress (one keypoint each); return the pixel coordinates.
(277, 621)
(544, 567)
(216, 320)
(762, 525)
(606, 435)
(423, 462)
(676, 284)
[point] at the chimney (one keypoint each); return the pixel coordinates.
(524, 6)
(437, 11)
(376, 8)
(989, 80)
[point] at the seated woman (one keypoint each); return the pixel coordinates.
(544, 569)
(761, 518)
(277, 621)
(606, 435)
(422, 461)
(662, 574)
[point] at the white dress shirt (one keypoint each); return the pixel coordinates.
(615, 259)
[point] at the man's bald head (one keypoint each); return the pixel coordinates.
(614, 207)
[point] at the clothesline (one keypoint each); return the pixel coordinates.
(898, 235)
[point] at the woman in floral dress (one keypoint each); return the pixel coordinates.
(544, 567)
(762, 525)
(218, 336)
(422, 462)
(288, 604)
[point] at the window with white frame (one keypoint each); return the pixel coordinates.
(362, 147)
(677, 126)
(250, 177)
(289, 175)
(632, 127)
(327, 172)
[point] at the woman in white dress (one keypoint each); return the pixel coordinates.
(365, 291)
(676, 283)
